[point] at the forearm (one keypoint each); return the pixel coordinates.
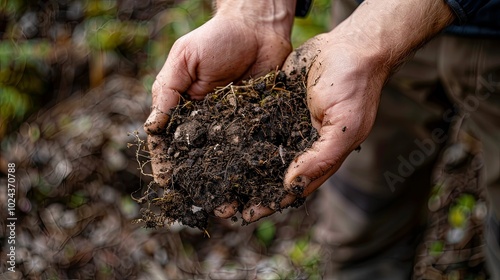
(392, 29)
(275, 15)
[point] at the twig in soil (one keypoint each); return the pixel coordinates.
(282, 154)
(140, 146)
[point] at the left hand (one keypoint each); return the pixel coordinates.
(347, 68)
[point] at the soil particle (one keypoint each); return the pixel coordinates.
(235, 145)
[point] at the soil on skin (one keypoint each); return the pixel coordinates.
(235, 145)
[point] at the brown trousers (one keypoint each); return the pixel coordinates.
(373, 206)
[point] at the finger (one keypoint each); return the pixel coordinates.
(265, 63)
(310, 169)
(255, 212)
(175, 77)
(226, 210)
(163, 102)
(155, 125)
(299, 61)
(161, 167)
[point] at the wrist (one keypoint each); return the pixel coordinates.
(388, 31)
(274, 16)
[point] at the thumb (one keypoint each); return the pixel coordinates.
(164, 100)
(174, 78)
(299, 61)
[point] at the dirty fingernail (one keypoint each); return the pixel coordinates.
(226, 210)
(284, 203)
(155, 122)
(255, 213)
(298, 185)
(149, 125)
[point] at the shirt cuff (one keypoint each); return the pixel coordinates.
(465, 9)
(302, 8)
(458, 11)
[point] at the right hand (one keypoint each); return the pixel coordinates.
(226, 49)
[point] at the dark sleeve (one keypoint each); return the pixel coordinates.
(465, 9)
(302, 7)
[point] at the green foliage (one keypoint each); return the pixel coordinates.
(14, 104)
(306, 257)
(467, 201)
(436, 248)
(266, 232)
(19, 83)
(11, 7)
(107, 34)
(460, 212)
(95, 8)
(316, 22)
(77, 199)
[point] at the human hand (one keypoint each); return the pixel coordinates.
(223, 50)
(343, 92)
(243, 39)
(346, 69)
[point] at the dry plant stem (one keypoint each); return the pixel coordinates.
(141, 147)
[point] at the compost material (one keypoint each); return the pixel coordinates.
(235, 145)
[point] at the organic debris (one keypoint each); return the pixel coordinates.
(235, 145)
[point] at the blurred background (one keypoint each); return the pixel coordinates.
(75, 79)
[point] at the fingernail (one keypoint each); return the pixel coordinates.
(226, 210)
(273, 205)
(149, 123)
(154, 123)
(254, 212)
(299, 184)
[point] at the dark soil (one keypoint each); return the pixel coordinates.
(235, 145)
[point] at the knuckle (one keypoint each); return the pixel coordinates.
(156, 87)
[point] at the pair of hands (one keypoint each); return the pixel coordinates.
(347, 68)
(343, 88)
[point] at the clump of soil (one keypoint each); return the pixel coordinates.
(235, 145)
